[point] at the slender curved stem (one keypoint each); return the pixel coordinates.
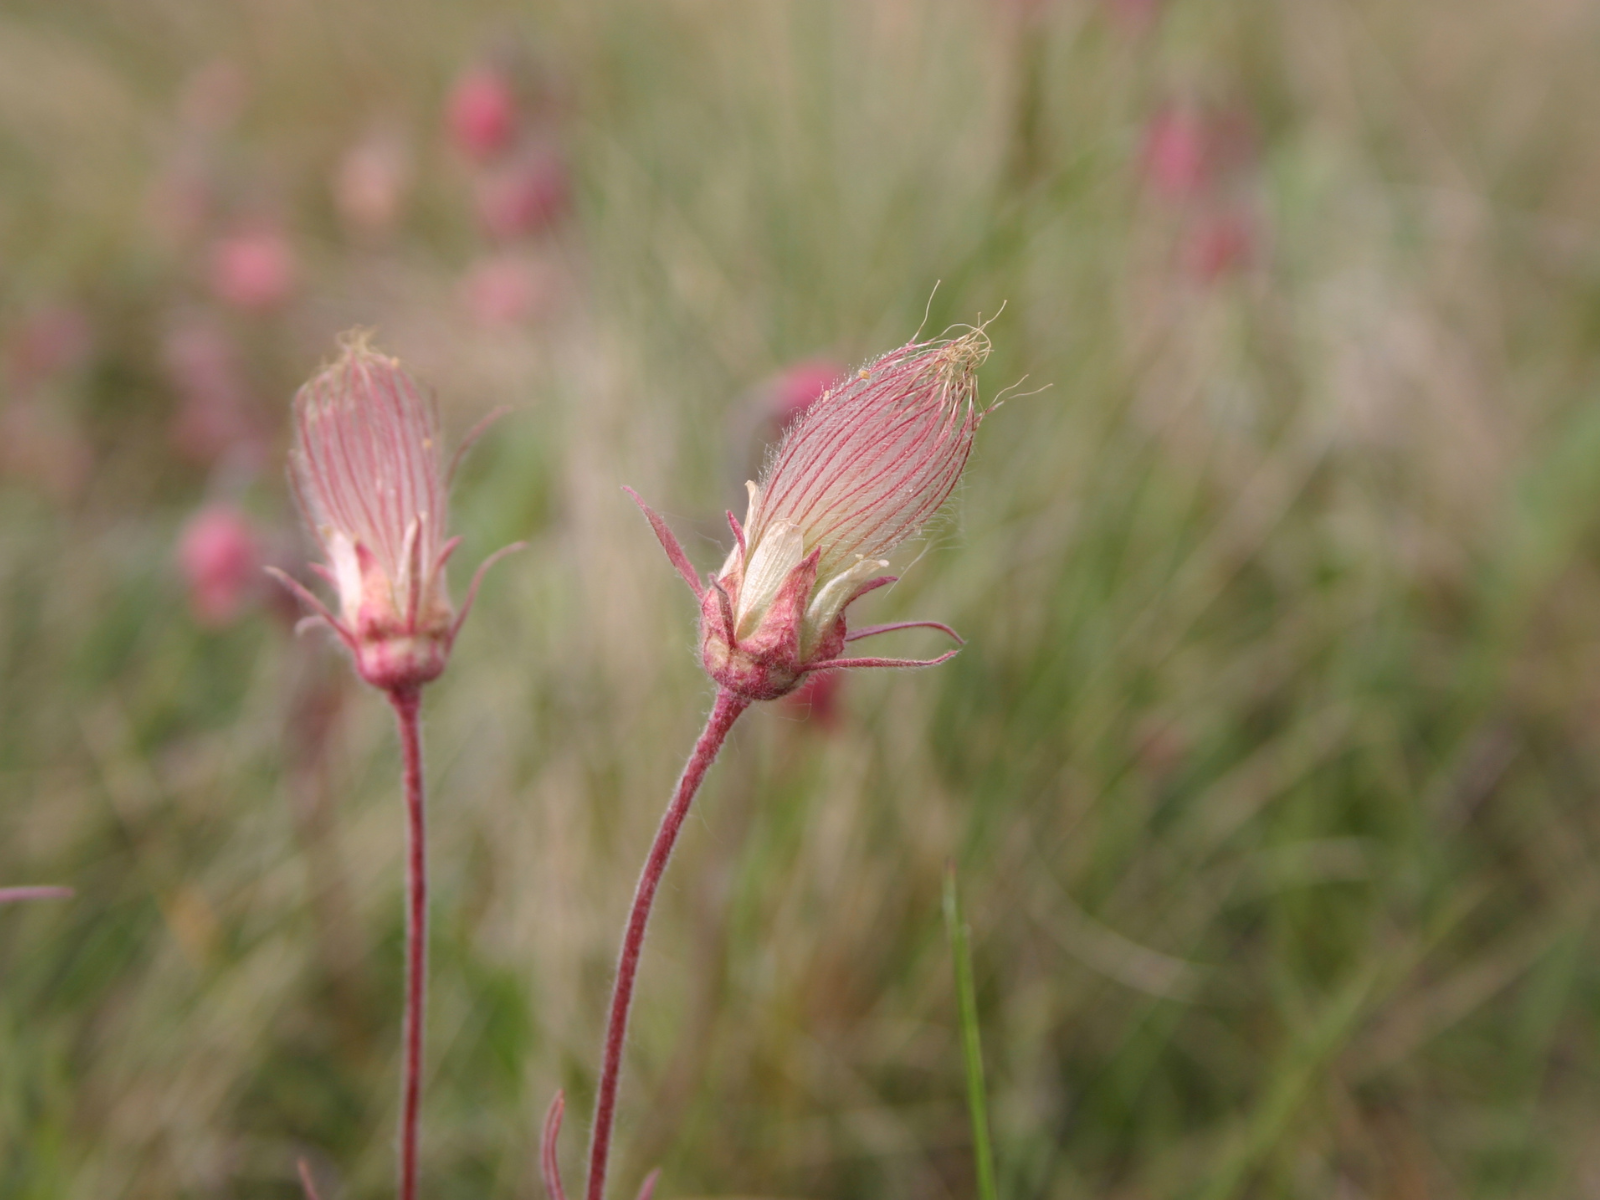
(723, 715)
(406, 703)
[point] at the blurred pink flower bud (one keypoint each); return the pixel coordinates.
(371, 181)
(481, 113)
(253, 269)
(863, 470)
(1175, 158)
(524, 196)
(220, 558)
(505, 289)
(1189, 150)
(817, 699)
(801, 386)
(366, 467)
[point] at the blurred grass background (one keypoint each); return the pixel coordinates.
(1269, 765)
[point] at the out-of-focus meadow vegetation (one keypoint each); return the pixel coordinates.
(1271, 764)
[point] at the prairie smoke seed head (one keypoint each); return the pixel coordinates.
(862, 470)
(367, 470)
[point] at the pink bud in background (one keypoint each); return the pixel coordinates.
(817, 700)
(367, 470)
(1190, 151)
(506, 289)
(1175, 154)
(802, 385)
(371, 181)
(524, 196)
(481, 113)
(220, 558)
(253, 269)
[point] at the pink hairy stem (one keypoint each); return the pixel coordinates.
(407, 702)
(725, 712)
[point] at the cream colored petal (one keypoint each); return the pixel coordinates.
(780, 550)
(752, 508)
(832, 596)
(402, 580)
(346, 571)
(750, 515)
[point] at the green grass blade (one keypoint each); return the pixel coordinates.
(977, 1104)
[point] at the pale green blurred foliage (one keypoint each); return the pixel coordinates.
(1269, 765)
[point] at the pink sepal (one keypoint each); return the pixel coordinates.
(319, 610)
(724, 610)
(871, 585)
(669, 543)
(411, 555)
(839, 664)
(781, 621)
(477, 578)
(306, 1181)
(647, 1189)
(445, 551)
(473, 434)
